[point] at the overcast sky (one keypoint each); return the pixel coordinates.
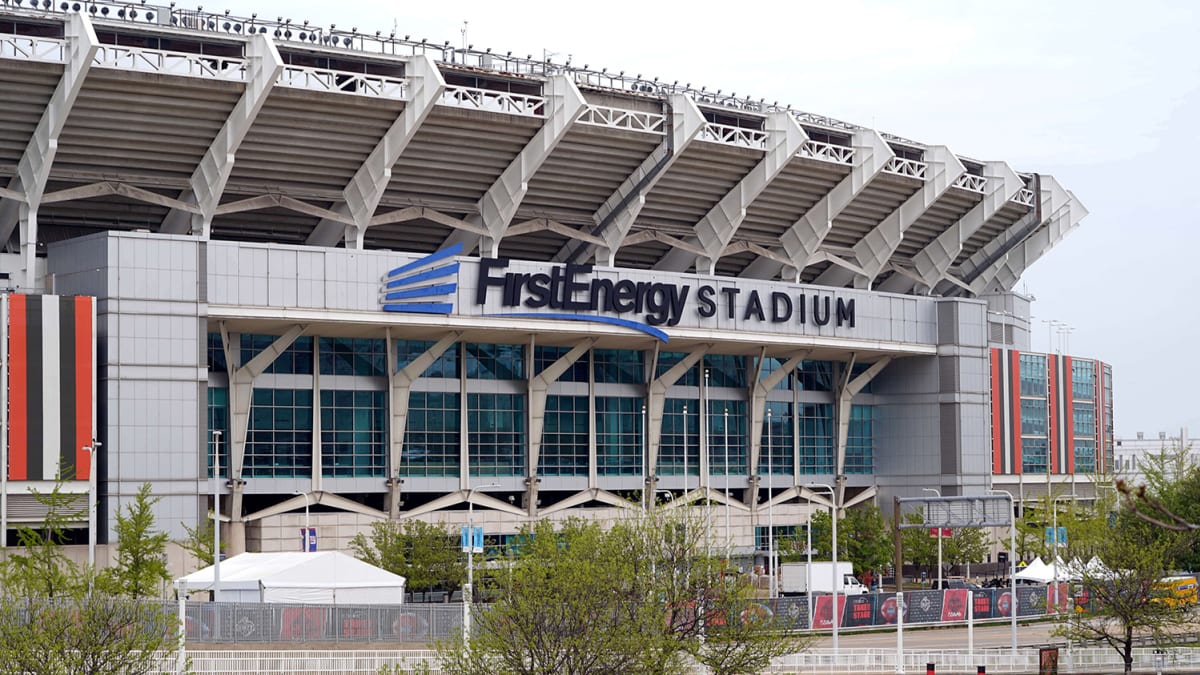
(1105, 96)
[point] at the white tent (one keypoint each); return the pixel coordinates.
(1036, 571)
(320, 578)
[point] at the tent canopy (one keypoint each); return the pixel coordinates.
(326, 577)
(1036, 571)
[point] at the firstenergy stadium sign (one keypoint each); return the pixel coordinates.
(572, 292)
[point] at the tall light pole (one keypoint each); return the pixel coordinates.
(1012, 562)
(685, 452)
(469, 590)
(216, 434)
(728, 530)
(770, 513)
(837, 618)
(1057, 542)
(939, 538)
(92, 481)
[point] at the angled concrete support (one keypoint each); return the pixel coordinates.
(848, 388)
(263, 67)
(362, 194)
(716, 229)
(399, 386)
(803, 239)
(984, 263)
(539, 387)
(1004, 274)
(614, 219)
(499, 204)
(33, 169)
(932, 262)
(656, 397)
(241, 392)
(873, 251)
(758, 412)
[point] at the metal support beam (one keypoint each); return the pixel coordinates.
(848, 388)
(539, 388)
(615, 217)
(932, 262)
(399, 387)
(497, 207)
(873, 251)
(1003, 274)
(207, 184)
(758, 411)
(33, 169)
(364, 191)
(656, 398)
(803, 239)
(716, 229)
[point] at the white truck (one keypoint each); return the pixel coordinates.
(794, 579)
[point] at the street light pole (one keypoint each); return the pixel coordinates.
(216, 433)
(92, 481)
(728, 530)
(770, 513)
(1012, 562)
(469, 590)
(1054, 528)
(939, 538)
(837, 617)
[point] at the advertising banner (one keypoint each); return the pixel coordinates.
(954, 604)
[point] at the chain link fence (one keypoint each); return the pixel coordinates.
(228, 622)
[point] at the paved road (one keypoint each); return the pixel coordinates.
(987, 635)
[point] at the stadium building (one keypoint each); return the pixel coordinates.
(382, 278)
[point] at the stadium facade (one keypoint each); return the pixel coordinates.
(380, 278)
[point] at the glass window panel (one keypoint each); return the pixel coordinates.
(618, 366)
(619, 436)
(431, 438)
(279, 438)
(680, 429)
(564, 449)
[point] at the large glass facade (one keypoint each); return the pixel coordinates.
(496, 434)
(1033, 456)
(279, 443)
(431, 437)
(770, 365)
(1033, 375)
(544, 357)
(776, 455)
(816, 438)
(352, 433)
(1085, 419)
(495, 362)
(725, 370)
(1085, 455)
(668, 360)
(297, 359)
(352, 356)
(564, 449)
(619, 431)
(1083, 380)
(860, 458)
(1033, 417)
(618, 366)
(815, 376)
(680, 431)
(445, 367)
(218, 420)
(726, 437)
(216, 353)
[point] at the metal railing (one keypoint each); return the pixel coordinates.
(28, 48)
(228, 622)
(910, 168)
(972, 183)
(628, 120)
(736, 136)
(494, 101)
(171, 63)
(827, 152)
(322, 79)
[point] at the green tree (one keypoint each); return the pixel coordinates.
(52, 623)
(41, 569)
(200, 541)
(1123, 603)
(141, 569)
(868, 542)
(633, 599)
(426, 555)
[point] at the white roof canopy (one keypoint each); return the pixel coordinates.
(327, 577)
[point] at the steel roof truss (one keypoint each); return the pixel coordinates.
(803, 239)
(499, 204)
(33, 170)
(872, 252)
(207, 184)
(785, 138)
(547, 225)
(932, 262)
(364, 191)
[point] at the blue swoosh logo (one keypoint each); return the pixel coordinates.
(419, 288)
(588, 318)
